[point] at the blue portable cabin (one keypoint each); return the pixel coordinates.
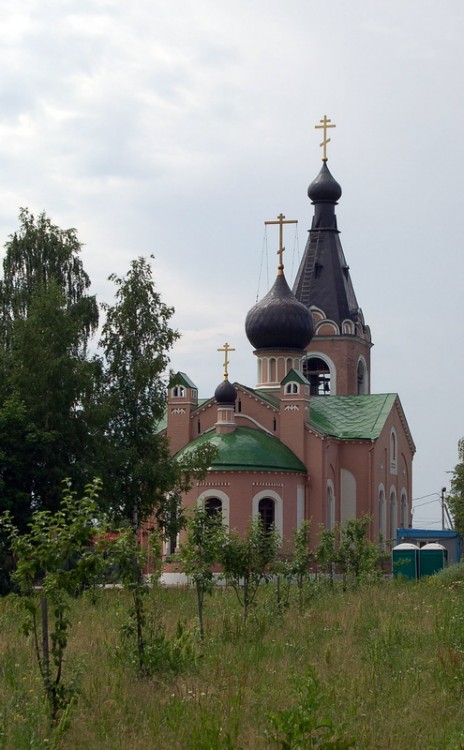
(449, 538)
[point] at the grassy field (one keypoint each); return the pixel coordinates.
(383, 665)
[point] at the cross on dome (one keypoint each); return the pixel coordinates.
(226, 349)
(280, 252)
(325, 126)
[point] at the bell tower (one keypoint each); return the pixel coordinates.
(337, 360)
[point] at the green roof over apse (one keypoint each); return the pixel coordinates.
(246, 449)
(351, 417)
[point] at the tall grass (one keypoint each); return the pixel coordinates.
(388, 659)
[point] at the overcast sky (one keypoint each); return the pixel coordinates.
(177, 127)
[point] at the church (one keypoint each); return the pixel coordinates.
(309, 440)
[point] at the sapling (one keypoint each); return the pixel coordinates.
(200, 553)
(247, 560)
(129, 553)
(302, 558)
(55, 559)
(357, 555)
(326, 552)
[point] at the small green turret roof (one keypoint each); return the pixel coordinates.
(295, 377)
(180, 378)
(351, 417)
(246, 449)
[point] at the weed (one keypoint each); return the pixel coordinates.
(307, 724)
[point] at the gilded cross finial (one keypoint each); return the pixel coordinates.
(226, 349)
(280, 252)
(325, 126)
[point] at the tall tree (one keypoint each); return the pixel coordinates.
(46, 317)
(38, 254)
(455, 500)
(138, 471)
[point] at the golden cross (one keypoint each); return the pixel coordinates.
(226, 349)
(280, 252)
(325, 126)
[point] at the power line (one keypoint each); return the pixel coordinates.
(429, 502)
(423, 496)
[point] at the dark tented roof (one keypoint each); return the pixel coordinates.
(323, 278)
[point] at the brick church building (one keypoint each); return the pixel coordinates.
(309, 440)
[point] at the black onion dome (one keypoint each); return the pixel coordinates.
(279, 321)
(225, 393)
(324, 187)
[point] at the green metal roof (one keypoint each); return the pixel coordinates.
(246, 449)
(180, 378)
(269, 398)
(295, 377)
(351, 417)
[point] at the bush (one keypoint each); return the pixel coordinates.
(453, 575)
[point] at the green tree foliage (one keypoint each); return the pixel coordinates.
(357, 556)
(294, 568)
(135, 341)
(138, 471)
(326, 552)
(140, 477)
(46, 318)
(37, 255)
(145, 642)
(55, 558)
(201, 552)
(302, 558)
(130, 558)
(247, 560)
(455, 500)
(65, 414)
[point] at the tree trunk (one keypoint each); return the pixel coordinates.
(200, 610)
(49, 687)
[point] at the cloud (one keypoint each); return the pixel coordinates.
(179, 128)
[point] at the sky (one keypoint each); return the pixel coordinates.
(177, 127)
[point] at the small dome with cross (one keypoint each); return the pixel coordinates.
(226, 393)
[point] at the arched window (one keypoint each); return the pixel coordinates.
(393, 452)
(404, 511)
(291, 388)
(318, 373)
(393, 515)
(266, 510)
(215, 501)
(272, 370)
(171, 524)
(213, 506)
(330, 506)
(382, 515)
(178, 391)
(362, 377)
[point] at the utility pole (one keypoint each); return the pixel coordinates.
(443, 490)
